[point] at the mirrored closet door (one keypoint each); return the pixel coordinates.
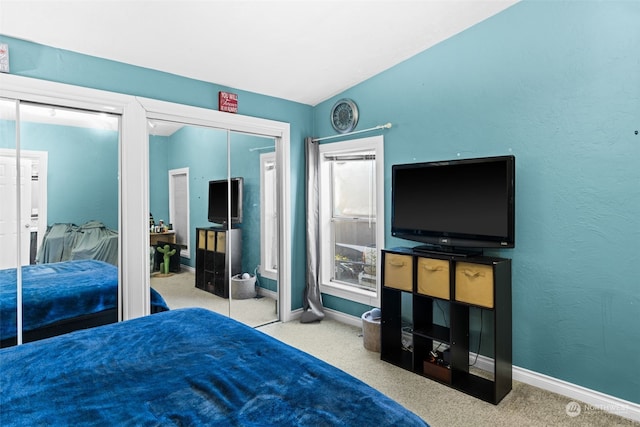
(254, 289)
(10, 227)
(206, 191)
(183, 159)
(62, 219)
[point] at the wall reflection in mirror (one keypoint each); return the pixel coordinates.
(213, 220)
(62, 220)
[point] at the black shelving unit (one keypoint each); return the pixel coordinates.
(434, 284)
(218, 258)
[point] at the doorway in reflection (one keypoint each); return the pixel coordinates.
(213, 207)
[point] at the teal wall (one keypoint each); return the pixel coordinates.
(204, 152)
(554, 83)
(159, 177)
(82, 178)
(557, 84)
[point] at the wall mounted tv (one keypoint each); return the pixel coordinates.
(219, 198)
(462, 203)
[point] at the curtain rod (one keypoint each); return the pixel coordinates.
(385, 126)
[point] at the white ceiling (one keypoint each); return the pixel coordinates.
(304, 51)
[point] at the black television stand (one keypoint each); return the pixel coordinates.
(218, 257)
(448, 250)
(442, 348)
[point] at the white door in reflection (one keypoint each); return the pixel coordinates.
(9, 219)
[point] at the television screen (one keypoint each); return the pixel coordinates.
(456, 203)
(219, 198)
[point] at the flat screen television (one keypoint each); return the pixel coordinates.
(219, 198)
(462, 203)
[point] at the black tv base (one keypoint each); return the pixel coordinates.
(448, 250)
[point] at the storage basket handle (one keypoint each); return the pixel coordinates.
(472, 273)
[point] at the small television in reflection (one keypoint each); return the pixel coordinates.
(220, 212)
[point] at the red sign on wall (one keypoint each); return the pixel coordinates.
(228, 102)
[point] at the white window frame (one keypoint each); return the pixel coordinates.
(267, 231)
(351, 293)
(185, 252)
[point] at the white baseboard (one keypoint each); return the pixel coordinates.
(593, 399)
(188, 268)
(342, 317)
(296, 314)
(331, 314)
(267, 293)
(261, 291)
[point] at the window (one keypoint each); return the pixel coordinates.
(268, 217)
(351, 175)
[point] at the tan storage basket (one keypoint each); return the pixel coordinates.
(398, 271)
(474, 284)
(433, 277)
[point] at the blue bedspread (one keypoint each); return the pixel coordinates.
(183, 367)
(58, 291)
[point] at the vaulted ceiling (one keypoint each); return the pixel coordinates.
(303, 51)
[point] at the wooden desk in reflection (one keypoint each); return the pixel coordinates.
(167, 236)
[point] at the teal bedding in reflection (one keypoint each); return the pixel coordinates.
(183, 367)
(56, 291)
(61, 291)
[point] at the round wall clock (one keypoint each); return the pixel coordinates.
(344, 115)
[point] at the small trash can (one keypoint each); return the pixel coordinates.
(371, 330)
(243, 288)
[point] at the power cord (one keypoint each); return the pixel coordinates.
(479, 338)
(444, 317)
(434, 353)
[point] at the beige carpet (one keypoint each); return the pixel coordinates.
(179, 291)
(342, 346)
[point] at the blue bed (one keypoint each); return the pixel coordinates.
(183, 367)
(60, 297)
